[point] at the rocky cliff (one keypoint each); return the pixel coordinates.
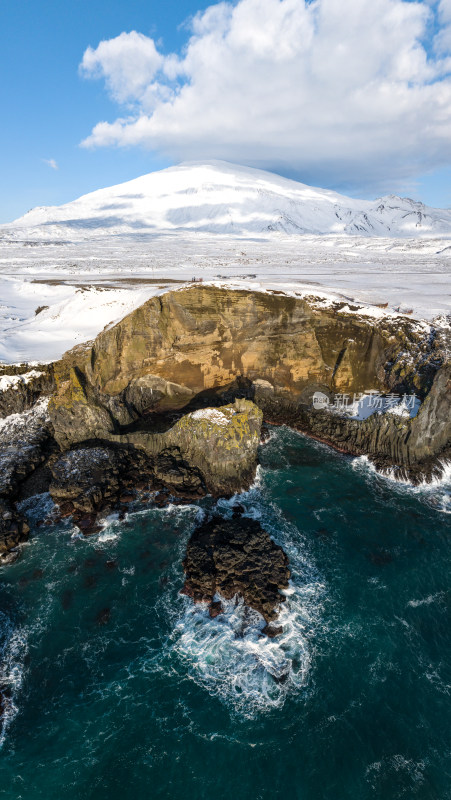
(170, 401)
(210, 450)
(21, 386)
(207, 345)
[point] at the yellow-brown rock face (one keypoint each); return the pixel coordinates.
(204, 337)
(189, 347)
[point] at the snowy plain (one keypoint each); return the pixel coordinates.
(229, 226)
(88, 286)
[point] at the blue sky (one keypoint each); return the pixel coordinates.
(48, 108)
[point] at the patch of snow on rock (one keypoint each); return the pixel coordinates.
(13, 381)
(212, 415)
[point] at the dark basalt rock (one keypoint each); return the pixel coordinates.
(32, 383)
(96, 479)
(26, 447)
(13, 531)
(103, 616)
(272, 631)
(216, 608)
(413, 449)
(169, 402)
(206, 342)
(213, 450)
(236, 557)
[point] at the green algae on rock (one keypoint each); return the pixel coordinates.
(207, 345)
(176, 393)
(209, 450)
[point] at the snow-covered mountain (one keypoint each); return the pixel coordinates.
(217, 197)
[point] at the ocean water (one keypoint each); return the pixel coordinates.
(121, 688)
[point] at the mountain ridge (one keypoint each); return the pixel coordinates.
(216, 197)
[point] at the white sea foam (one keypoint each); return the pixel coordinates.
(228, 655)
(425, 601)
(13, 648)
(109, 534)
(231, 658)
(412, 771)
(436, 492)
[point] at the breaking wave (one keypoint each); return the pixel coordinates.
(436, 492)
(13, 647)
(229, 656)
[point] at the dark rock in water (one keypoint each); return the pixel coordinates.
(215, 608)
(238, 510)
(265, 433)
(14, 530)
(94, 479)
(162, 498)
(126, 498)
(85, 480)
(272, 630)
(88, 524)
(10, 556)
(103, 616)
(236, 557)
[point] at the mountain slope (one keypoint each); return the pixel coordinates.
(217, 197)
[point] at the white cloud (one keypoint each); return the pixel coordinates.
(128, 63)
(442, 41)
(50, 162)
(339, 93)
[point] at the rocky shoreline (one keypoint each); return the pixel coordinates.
(170, 403)
(236, 557)
(207, 346)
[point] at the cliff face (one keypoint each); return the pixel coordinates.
(26, 445)
(170, 401)
(26, 442)
(185, 342)
(207, 345)
(21, 387)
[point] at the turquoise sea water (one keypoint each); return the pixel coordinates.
(123, 689)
